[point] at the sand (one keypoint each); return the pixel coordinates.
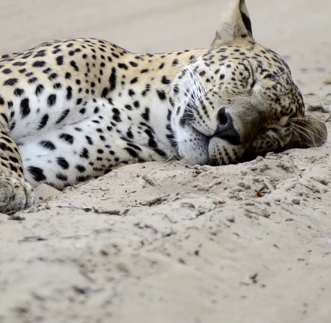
(169, 242)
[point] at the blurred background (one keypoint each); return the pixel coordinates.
(157, 25)
(300, 30)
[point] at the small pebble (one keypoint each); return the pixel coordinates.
(328, 81)
(230, 218)
(265, 213)
(296, 201)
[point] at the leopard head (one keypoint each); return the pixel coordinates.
(239, 97)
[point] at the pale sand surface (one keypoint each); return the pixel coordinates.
(242, 243)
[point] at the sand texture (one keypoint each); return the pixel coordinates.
(169, 242)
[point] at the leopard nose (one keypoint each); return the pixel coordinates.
(226, 129)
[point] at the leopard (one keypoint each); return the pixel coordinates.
(76, 109)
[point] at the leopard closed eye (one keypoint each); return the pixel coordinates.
(73, 110)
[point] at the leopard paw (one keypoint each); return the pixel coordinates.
(15, 194)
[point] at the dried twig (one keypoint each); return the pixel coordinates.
(16, 218)
(92, 209)
(155, 201)
(148, 180)
(32, 239)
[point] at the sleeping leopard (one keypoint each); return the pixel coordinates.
(73, 110)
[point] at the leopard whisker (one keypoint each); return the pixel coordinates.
(307, 133)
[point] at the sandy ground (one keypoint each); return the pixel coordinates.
(242, 243)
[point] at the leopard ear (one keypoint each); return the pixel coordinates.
(236, 27)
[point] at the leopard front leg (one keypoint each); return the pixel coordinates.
(15, 192)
